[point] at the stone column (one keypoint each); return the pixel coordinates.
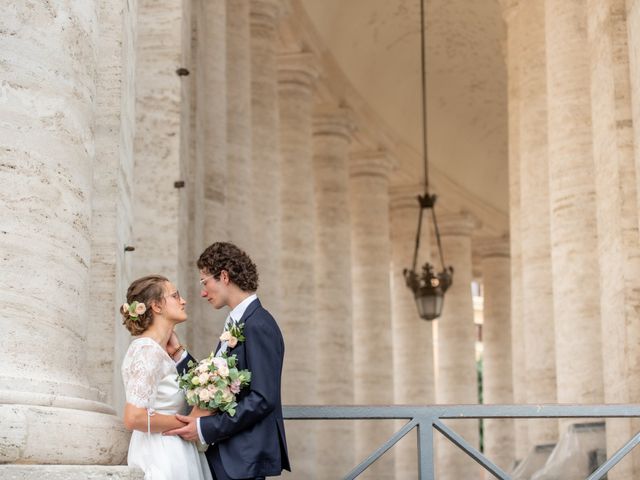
(497, 377)
(264, 187)
(537, 294)
(633, 47)
(157, 222)
(456, 380)
(210, 151)
(296, 75)
(617, 214)
(576, 288)
(414, 382)
(238, 205)
(111, 196)
(334, 328)
(372, 334)
(512, 48)
(47, 406)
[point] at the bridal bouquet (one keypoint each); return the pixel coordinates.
(213, 383)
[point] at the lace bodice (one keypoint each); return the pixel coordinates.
(145, 366)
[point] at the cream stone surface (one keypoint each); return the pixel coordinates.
(537, 292)
(576, 284)
(456, 380)
(238, 88)
(513, 59)
(69, 472)
(296, 75)
(265, 167)
(210, 154)
(157, 138)
(372, 334)
(617, 213)
(49, 107)
(333, 303)
(496, 332)
(111, 223)
(633, 51)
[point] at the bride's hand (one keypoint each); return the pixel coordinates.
(173, 343)
(200, 412)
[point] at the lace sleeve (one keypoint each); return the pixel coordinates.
(142, 370)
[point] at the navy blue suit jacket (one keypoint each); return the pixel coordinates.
(252, 443)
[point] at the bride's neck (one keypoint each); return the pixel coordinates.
(160, 331)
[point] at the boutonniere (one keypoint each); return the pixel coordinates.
(233, 334)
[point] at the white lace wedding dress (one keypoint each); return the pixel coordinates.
(150, 381)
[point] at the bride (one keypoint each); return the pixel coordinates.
(154, 307)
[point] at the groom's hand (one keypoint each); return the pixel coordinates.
(173, 343)
(189, 432)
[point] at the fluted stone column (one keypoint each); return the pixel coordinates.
(333, 303)
(296, 75)
(372, 334)
(157, 223)
(48, 408)
(572, 198)
(211, 114)
(513, 44)
(618, 239)
(111, 195)
(264, 187)
(238, 203)
(456, 380)
(496, 332)
(537, 294)
(210, 150)
(414, 382)
(633, 47)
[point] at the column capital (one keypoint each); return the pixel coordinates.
(265, 13)
(492, 247)
(332, 120)
(298, 68)
(405, 196)
(457, 224)
(370, 163)
(509, 9)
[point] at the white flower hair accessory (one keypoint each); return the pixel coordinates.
(136, 308)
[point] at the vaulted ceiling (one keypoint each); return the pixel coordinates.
(376, 44)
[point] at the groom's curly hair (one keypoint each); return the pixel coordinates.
(226, 256)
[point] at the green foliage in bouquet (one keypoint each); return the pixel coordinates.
(213, 383)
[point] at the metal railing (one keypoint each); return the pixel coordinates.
(427, 418)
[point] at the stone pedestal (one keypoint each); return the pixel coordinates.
(69, 472)
(457, 377)
(47, 406)
(296, 74)
(372, 334)
(334, 330)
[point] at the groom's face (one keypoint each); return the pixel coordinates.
(214, 291)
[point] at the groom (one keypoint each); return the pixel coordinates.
(251, 444)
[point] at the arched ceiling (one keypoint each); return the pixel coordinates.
(376, 45)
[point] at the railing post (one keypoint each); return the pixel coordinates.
(426, 468)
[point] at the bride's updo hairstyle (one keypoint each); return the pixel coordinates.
(136, 312)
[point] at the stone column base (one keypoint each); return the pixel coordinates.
(33, 434)
(69, 472)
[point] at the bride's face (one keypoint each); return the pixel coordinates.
(174, 307)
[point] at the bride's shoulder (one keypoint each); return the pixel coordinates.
(144, 347)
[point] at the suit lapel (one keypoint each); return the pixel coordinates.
(252, 307)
